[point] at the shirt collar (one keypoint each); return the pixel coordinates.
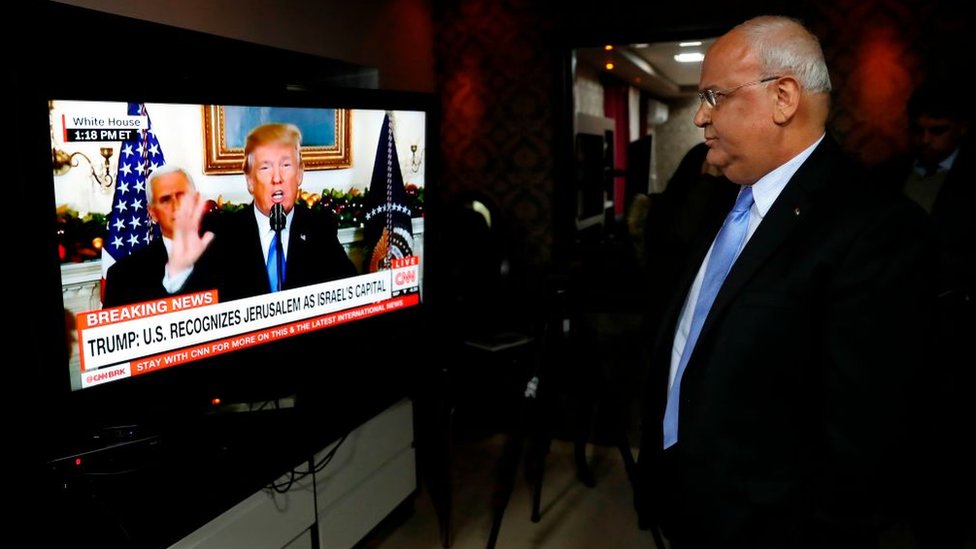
(768, 188)
(943, 166)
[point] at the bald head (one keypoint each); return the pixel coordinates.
(771, 86)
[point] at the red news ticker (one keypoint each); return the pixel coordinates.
(189, 354)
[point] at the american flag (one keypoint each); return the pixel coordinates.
(129, 226)
(388, 228)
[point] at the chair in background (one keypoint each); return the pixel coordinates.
(513, 351)
(485, 335)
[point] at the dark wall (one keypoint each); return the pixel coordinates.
(878, 52)
(392, 36)
(503, 76)
(497, 76)
(138, 53)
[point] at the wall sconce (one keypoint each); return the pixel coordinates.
(416, 160)
(61, 161)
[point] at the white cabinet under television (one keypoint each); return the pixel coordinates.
(371, 473)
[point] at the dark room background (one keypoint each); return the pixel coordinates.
(501, 72)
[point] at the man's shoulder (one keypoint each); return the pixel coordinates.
(852, 195)
(315, 220)
(147, 255)
(219, 219)
(965, 163)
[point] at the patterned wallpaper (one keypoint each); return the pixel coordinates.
(497, 79)
(866, 112)
(878, 51)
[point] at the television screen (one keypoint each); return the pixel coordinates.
(129, 377)
(143, 294)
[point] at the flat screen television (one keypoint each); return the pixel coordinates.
(593, 173)
(122, 430)
(87, 151)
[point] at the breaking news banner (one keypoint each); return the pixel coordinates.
(135, 339)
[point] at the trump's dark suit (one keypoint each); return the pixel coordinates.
(236, 263)
(796, 397)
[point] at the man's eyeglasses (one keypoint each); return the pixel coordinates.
(713, 97)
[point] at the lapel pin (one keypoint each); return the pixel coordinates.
(302, 236)
(796, 211)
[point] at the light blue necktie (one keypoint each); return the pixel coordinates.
(727, 245)
(273, 264)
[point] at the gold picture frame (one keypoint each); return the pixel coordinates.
(326, 143)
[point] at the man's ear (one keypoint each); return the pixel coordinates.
(250, 184)
(788, 92)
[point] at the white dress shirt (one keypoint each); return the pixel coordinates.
(764, 193)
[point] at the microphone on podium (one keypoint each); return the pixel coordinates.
(277, 219)
(277, 216)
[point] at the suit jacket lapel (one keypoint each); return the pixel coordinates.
(296, 245)
(253, 243)
(159, 256)
(792, 207)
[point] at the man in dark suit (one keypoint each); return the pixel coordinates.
(776, 412)
(140, 276)
(939, 173)
(244, 242)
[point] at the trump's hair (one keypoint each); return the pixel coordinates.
(277, 133)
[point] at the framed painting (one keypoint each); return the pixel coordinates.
(325, 135)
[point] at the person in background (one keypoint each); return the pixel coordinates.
(939, 174)
(777, 408)
(241, 256)
(141, 275)
(939, 157)
(696, 191)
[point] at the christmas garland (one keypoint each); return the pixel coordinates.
(80, 238)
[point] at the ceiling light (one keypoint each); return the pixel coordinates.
(690, 57)
(690, 44)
